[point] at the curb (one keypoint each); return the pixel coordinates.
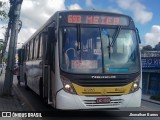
(151, 101)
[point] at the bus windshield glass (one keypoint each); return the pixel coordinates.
(92, 50)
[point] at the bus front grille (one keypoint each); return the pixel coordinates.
(113, 102)
(102, 83)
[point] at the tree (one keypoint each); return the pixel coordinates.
(157, 47)
(3, 16)
(147, 48)
(1, 46)
(3, 13)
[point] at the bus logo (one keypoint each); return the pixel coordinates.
(102, 77)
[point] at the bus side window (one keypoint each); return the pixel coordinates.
(31, 50)
(36, 48)
(40, 48)
(28, 51)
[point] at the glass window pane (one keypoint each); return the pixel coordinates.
(84, 55)
(123, 55)
(85, 52)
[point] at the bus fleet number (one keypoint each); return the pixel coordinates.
(74, 19)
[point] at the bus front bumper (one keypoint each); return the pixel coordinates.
(67, 101)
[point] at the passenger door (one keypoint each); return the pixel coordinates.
(48, 67)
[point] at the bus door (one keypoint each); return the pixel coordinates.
(48, 67)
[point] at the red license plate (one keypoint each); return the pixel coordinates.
(103, 100)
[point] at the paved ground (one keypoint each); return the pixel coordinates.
(147, 98)
(15, 103)
(11, 103)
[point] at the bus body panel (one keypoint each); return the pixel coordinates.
(54, 91)
(65, 100)
(34, 73)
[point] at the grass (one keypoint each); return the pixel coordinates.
(156, 97)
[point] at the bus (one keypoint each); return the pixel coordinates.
(85, 60)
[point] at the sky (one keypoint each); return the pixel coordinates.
(145, 13)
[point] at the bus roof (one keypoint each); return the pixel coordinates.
(92, 11)
(55, 15)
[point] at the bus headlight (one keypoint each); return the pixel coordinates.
(67, 85)
(135, 85)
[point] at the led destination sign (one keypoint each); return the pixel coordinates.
(98, 19)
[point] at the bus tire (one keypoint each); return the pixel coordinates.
(25, 82)
(41, 87)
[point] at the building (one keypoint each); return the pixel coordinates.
(151, 72)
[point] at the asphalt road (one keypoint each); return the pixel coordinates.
(33, 102)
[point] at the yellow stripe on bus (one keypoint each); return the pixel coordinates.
(98, 91)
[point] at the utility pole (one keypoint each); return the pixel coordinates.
(6, 38)
(14, 16)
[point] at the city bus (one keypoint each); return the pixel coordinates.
(84, 60)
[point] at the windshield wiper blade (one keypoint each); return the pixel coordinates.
(78, 38)
(115, 35)
(109, 46)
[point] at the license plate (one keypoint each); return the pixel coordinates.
(103, 100)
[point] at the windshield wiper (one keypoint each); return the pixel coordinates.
(78, 38)
(114, 37)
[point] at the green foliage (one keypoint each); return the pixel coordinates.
(3, 14)
(147, 48)
(156, 97)
(157, 47)
(1, 46)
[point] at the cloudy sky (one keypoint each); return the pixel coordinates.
(145, 13)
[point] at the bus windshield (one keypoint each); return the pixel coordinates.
(94, 50)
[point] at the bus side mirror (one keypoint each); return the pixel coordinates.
(138, 35)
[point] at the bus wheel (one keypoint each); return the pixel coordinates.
(41, 88)
(25, 82)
